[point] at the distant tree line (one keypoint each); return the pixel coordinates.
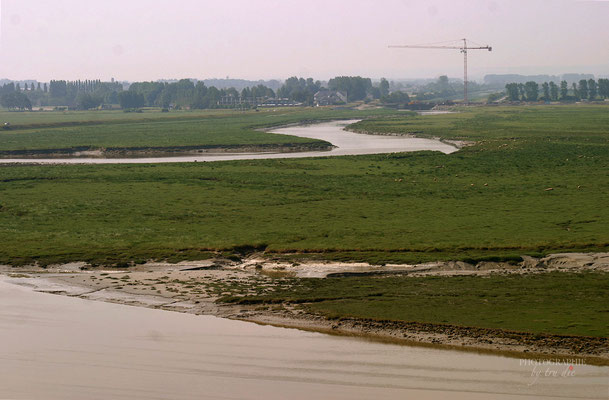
(299, 89)
(356, 88)
(82, 95)
(441, 89)
(187, 94)
(303, 90)
(586, 89)
(15, 101)
(85, 95)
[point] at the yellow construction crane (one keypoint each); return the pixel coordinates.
(463, 48)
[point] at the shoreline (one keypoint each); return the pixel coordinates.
(180, 151)
(167, 287)
(459, 144)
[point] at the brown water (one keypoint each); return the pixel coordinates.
(346, 143)
(55, 347)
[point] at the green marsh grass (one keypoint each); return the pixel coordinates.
(488, 201)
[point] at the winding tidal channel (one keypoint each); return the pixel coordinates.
(345, 143)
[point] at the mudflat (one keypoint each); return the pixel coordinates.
(295, 295)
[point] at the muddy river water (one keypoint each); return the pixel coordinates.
(345, 143)
(57, 347)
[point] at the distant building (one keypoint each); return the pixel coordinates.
(327, 97)
(279, 102)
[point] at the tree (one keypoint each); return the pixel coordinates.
(166, 97)
(583, 89)
(200, 100)
(46, 89)
(86, 101)
(262, 91)
(553, 91)
(603, 88)
(493, 97)
(512, 91)
(112, 97)
(575, 91)
(564, 90)
(213, 96)
(15, 101)
(531, 89)
(397, 97)
(131, 99)
(184, 92)
(356, 87)
(150, 90)
(375, 92)
(7, 88)
(522, 92)
(592, 89)
(546, 91)
(443, 84)
(58, 89)
(384, 87)
(299, 89)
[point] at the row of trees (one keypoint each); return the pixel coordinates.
(586, 89)
(29, 87)
(185, 93)
(299, 89)
(78, 94)
(59, 88)
(356, 87)
(85, 95)
(441, 89)
(15, 101)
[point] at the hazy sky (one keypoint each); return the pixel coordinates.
(262, 39)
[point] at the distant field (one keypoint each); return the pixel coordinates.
(19, 118)
(152, 129)
(488, 201)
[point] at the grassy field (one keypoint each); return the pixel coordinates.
(488, 201)
(555, 303)
(117, 130)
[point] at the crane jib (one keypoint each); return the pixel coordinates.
(463, 50)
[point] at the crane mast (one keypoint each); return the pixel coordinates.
(464, 49)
